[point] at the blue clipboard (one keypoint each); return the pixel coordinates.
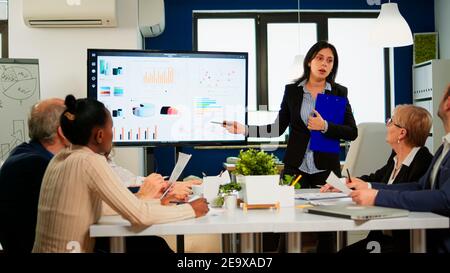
(332, 109)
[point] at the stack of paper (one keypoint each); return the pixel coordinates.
(320, 195)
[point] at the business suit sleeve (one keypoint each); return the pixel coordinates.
(411, 186)
(347, 130)
(280, 124)
(420, 199)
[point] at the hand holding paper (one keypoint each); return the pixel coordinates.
(179, 167)
(337, 183)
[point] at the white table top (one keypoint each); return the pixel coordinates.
(265, 220)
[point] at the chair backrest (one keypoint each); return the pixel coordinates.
(369, 151)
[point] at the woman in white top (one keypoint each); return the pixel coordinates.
(78, 179)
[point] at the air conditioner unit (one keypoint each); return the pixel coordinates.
(151, 17)
(70, 13)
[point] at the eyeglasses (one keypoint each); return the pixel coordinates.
(321, 58)
(389, 121)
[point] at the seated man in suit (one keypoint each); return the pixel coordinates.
(21, 176)
(430, 193)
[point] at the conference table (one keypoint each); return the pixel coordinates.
(249, 226)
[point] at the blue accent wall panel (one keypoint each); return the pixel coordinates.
(178, 35)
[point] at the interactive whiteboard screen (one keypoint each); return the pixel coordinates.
(170, 97)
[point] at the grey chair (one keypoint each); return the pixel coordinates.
(369, 151)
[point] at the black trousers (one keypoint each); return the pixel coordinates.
(307, 180)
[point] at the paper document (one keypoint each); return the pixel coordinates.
(183, 159)
(334, 181)
(320, 195)
(224, 177)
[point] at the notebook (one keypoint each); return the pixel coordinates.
(332, 109)
(355, 212)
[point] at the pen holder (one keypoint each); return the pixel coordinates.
(230, 201)
(286, 196)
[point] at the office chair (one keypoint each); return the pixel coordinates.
(369, 151)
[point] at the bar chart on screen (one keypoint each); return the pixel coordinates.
(138, 133)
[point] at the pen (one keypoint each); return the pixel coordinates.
(349, 179)
(348, 174)
(296, 180)
(223, 123)
(171, 184)
(218, 122)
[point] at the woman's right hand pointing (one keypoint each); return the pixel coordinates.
(234, 127)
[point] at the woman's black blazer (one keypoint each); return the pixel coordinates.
(289, 115)
(416, 169)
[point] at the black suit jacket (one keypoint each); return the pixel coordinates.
(20, 183)
(413, 172)
(289, 115)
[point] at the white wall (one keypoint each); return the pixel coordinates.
(442, 21)
(62, 57)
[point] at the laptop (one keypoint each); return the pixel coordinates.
(355, 212)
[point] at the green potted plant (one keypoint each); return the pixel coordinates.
(256, 172)
(227, 193)
(254, 162)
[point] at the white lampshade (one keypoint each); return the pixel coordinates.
(391, 29)
(296, 69)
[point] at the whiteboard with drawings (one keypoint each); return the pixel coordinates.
(19, 90)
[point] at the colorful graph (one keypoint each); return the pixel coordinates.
(205, 103)
(219, 78)
(105, 91)
(159, 76)
(127, 134)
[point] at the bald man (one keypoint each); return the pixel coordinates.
(21, 176)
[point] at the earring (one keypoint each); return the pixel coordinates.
(398, 140)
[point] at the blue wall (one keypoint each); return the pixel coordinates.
(178, 36)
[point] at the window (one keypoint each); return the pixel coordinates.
(231, 35)
(4, 39)
(361, 67)
(282, 46)
(276, 38)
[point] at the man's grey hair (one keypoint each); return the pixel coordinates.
(43, 121)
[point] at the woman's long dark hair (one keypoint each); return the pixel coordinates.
(80, 117)
(312, 52)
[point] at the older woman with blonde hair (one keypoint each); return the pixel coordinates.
(407, 132)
